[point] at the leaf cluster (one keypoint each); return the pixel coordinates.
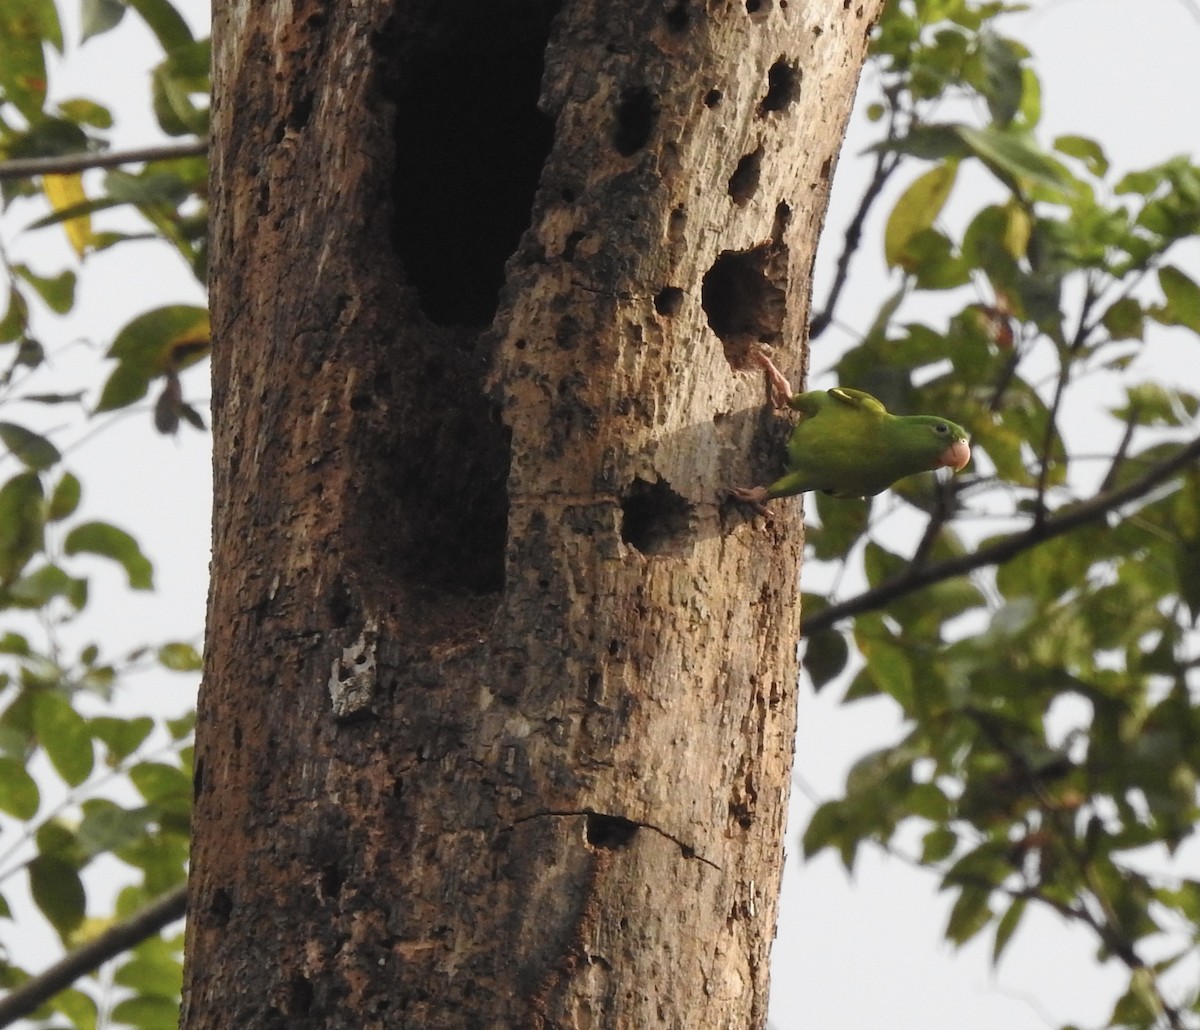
(84, 784)
(168, 195)
(1050, 704)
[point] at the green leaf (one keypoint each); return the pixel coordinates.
(77, 1007)
(64, 736)
(843, 521)
(106, 827)
(1124, 319)
(148, 1012)
(121, 736)
(154, 185)
(930, 142)
(1003, 84)
(828, 829)
(55, 398)
(86, 112)
(1006, 927)
(57, 292)
(881, 564)
(182, 727)
(1014, 157)
(21, 525)
(181, 76)
(890, 668)
(1150, 404)
(154, 969)
(162, 857)
(99, 16)
(165, 22)
(1183, 299)
(109, 542)
(180, 657)
(969, 915)
(157, 341)
(931, 258)
(1086, 150)
(40, 587)
(64, 499)
(917, 209)
(160, 783)
(49, 137)
(1139, 1006)
(19, 795)
(57, 891)
(938, 844)
(31, 449)
(825, 656)
(26, 26)
(16, 317)
(14, 643)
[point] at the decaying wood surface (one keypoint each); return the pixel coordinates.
(497, 721)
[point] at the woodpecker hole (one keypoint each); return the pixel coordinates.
(572, 241)
(331, 880)
(713, 97)
(783, 218)
(668, 301)
(300, 996)
(610, 832)
(782, 81)
(743, 298)
(676, 224)
(655, 519)
(636, 115)
(758, 9)
(743, 183)
(221, 906)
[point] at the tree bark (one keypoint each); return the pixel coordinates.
(496, 725)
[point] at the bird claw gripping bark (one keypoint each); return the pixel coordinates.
(781, 389)
(755, 496)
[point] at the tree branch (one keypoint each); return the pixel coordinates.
(885, 165)
(1065, 520)
(27, 167)
(37, 990)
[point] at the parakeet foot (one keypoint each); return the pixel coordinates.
(755, 496)
(781, 389)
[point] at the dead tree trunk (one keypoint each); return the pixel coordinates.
(497, 723)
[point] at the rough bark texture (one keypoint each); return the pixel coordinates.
(497, 723)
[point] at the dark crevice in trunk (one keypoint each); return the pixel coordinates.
(470, 145)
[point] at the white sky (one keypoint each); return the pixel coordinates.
(867, 953)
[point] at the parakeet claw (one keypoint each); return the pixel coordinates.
(781, 389)
(755, 496)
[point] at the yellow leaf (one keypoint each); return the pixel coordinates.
(65, 192)
(1017, 230)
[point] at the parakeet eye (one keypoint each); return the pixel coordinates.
(942, 428)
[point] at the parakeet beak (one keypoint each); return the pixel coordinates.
(955, 456)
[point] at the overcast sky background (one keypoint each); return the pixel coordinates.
(849, 954)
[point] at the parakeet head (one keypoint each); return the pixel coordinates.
(947, 441)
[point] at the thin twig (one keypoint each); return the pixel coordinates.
(886, 163)
(66, 164)
(37, 990)
(1066, 520)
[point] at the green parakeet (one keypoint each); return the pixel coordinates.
(848, 445)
